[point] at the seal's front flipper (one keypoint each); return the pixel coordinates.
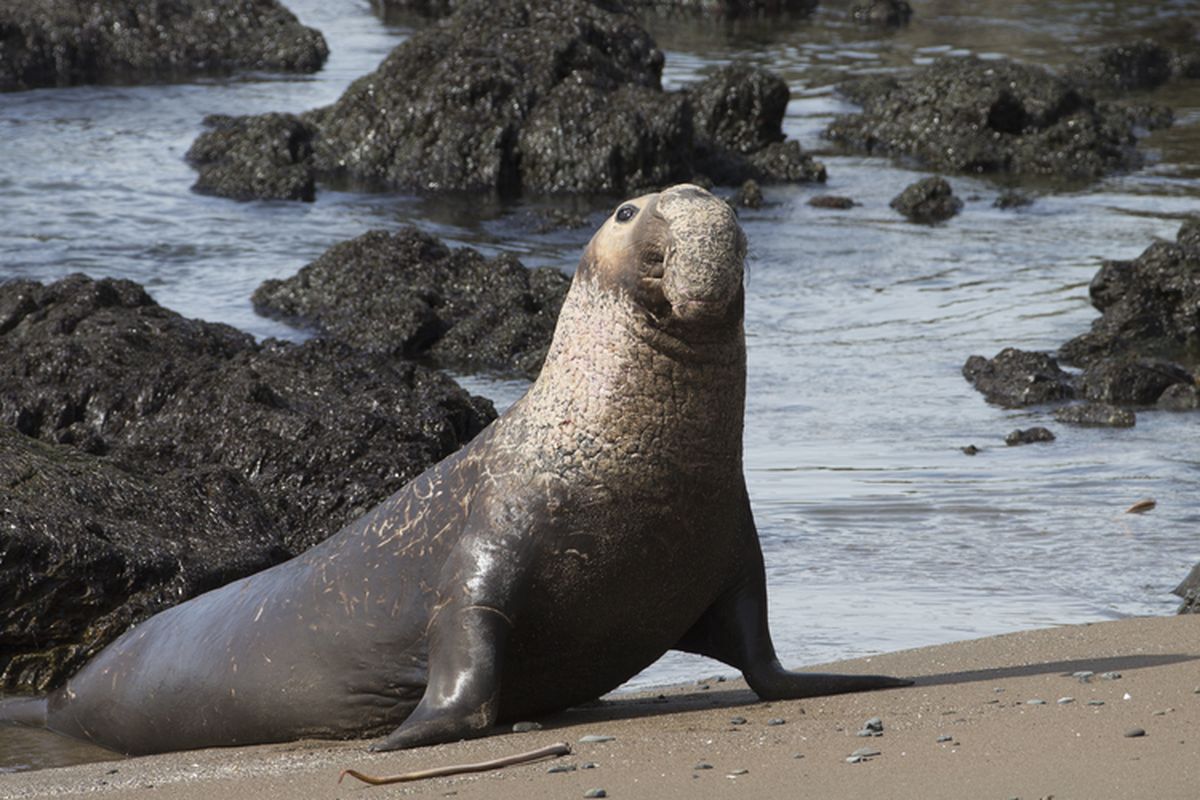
(460, 700)
(734, 630)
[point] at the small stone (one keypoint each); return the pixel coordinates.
(588, 765)
(595, 793)
(998, 689)
(831, 201)
(738, 721)
(798, 755)
(1110, 676)
(526, 727)
(1035, 702)
(561, 768)
(1095, 702)
(777, 721)
(873, 724)
(1084, 676)
(865, 732)
(1028, 436)
(1062, 701)
(1134, 733)
(866, 752)
(945, 737)
(1127, 696)
(596, 738)
(734, 772)
(703, 765)
(970, 450)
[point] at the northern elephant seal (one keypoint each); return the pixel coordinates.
(600, 522)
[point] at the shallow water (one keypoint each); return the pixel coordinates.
(879, 533)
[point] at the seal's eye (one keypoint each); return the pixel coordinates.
(626, 213)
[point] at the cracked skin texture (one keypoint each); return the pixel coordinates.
(598, 523)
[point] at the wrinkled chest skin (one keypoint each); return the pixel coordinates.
(598, 523)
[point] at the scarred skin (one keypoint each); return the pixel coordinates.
(600, 522)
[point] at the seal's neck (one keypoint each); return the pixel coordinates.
(617, 388)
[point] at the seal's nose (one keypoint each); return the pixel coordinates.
(706, 254)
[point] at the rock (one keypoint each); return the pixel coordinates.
(1148, 306)
(970, 450)
(831, 201)
(526, 727)
(596, 738)
(718, 8)
(884, 13)
(1189, 590)
(537, 96)
(1180, 397)
(1029, 436)
(208, 456)
(1135, 66)
(90, 548)
(1096, 415)
(1137, 381)
(595, 793)
(407, 294)
(66, 43)
(1013, 199)
(927, 201)
(748, 195)
(973, 116)
(1018, 378)
(1134, 733)
(267, 157)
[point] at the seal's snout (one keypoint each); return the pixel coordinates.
(706, 252)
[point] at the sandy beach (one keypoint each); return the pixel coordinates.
(1000, 717)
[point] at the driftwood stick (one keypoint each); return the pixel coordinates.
(549, 751)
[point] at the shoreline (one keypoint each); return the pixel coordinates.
(976, 692)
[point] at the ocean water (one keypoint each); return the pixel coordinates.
(879, 533)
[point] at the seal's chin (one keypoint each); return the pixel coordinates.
(691, 309)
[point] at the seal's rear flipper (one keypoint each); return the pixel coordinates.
(28, 711)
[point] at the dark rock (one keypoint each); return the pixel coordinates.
(1096, 415)
(1135, 66)
(1013, 199)
(1189, 590)
(748, 195)
(65, 43)
(1150, 306)
(970, 450)
(268, 157)
(740, 108)
(885, 13)
(1029, 436)
(1132, 381)
(927, 201)
(720, 8)
(831, 201)
(406, 294)
(1180, 397)
(1018, 378)
(89, 548)
(529, 96)
(974, 116)
(198, 456)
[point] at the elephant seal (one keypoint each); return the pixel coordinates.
(600, 522)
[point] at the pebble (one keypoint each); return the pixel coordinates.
(866, 752)
(1127, 696)
(853, 759)
(1095, 702)
(561, 768)
(1110, 676)
(588, 765)
(703, 765)
(738, 721)
(1084, 676)
(526, 727)
(735, 772)
(595, 793)
(1062, 701)
(1133, 733)
(873, 724)
(1035, 702)
(777, 721)
(595, 738)
(945, 737)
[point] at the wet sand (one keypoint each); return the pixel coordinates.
(977, 693)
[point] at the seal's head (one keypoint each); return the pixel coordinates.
(678, 254)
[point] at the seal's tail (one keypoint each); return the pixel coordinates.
(29, 711)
